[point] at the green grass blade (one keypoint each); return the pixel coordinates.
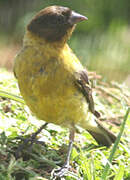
(92, 168)
(11, 96)
(107, 167)
(120, 173)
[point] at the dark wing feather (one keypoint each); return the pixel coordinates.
(83, 84)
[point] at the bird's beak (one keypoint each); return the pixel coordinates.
(76, 17)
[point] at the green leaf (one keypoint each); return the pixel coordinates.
(11, 96)
(107, 167)
(120, 173)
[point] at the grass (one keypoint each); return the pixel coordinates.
(88, 160)
(107, 167)
(106, 52)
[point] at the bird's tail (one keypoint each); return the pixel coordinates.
(100, 133)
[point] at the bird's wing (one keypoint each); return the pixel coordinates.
(82, 82)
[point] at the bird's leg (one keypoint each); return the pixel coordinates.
(30, 140)
(63, 170)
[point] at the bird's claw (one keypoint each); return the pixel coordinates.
(28, 142)
(60, 172)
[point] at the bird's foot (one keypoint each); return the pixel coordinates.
(28, 142)
(60, 172)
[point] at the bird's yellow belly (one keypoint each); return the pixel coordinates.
(56, 107)
(47, 85)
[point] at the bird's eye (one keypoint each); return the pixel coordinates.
(66, 13)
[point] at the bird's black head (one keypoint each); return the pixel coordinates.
(53, 23)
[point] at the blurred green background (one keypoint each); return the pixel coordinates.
(102, 43)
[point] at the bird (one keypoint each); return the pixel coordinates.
(52, 80)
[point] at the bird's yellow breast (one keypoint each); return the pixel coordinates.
(46, 78)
